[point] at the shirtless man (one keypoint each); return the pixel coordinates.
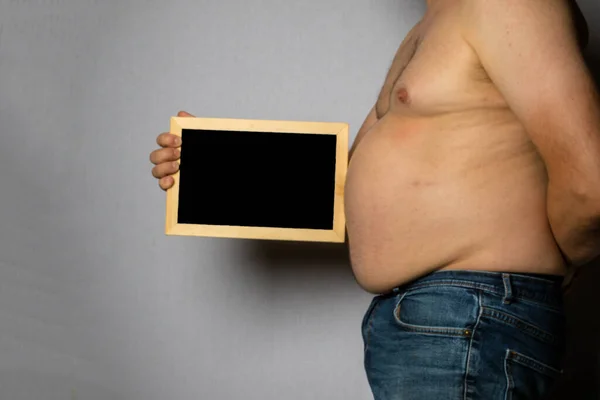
(473, 187)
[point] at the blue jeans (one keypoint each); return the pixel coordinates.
(465, 335)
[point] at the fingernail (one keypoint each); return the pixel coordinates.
(176, 165)
(177, 141)
(177, 153)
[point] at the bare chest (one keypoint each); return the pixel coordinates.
(435, 71)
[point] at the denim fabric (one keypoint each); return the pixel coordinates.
(465, 335)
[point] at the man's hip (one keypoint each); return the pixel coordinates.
(465, 335)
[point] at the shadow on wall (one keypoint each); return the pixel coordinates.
(303, 260)
(305, 253)
(581, 377)
(308, 267)
(592, 58)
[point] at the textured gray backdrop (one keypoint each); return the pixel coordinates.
(95, 302)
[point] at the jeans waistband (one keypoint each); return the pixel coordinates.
(544, 289)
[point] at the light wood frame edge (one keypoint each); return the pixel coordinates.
(336, 235)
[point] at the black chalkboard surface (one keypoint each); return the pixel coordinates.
(259, 179)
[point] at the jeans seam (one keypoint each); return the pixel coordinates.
(534, 303)
(370, 317)
(508, 375)
(485, 288)
(425, 330)
(517, 274)
(517, 323)
(470, 347)
(532, 363)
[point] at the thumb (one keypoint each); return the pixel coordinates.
(184, 114)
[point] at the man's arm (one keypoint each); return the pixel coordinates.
(529, 49)
(369, 122)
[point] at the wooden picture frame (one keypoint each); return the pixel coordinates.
(336, 234)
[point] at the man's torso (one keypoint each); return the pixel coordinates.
(447, 178)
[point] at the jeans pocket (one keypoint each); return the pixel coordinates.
(437, 310)
(526, 377)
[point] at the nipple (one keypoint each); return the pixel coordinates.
(403, 96)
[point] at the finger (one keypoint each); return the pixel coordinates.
(165, 169)
(167, 139)
(164, 155)
(166, 182)
(184, 114)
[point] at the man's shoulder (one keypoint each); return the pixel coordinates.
(474, 11)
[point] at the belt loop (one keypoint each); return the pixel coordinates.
(507, 289)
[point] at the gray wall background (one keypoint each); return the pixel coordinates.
(96, 303)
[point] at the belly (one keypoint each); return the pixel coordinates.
(420, 199)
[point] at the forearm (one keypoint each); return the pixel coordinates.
(569, 142)
(574, 217)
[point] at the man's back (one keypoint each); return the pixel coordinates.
(445, 176)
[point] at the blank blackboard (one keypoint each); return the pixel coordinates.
(259, 179)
